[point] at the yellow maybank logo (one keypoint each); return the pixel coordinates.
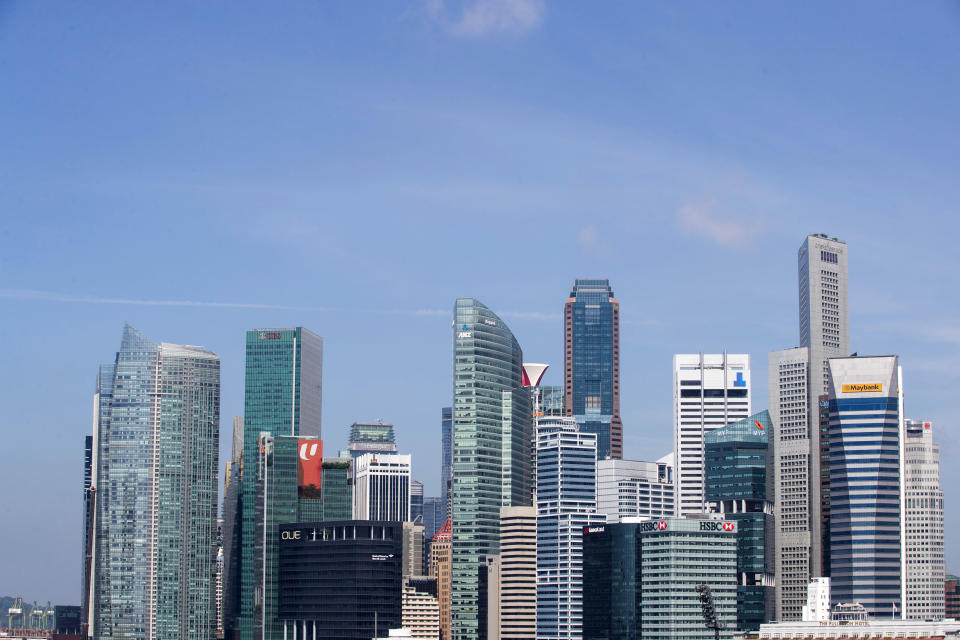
(869, 387)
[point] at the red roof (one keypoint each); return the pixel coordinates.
(443, 534)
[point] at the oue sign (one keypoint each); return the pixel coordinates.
(289, 535)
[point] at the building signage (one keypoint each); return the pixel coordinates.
(269, 335)
(381, 556)
(593, 530)
(868, 387)
(716, 525)
(309, 468)
(463, 334)
(290, 535)
(653, 526)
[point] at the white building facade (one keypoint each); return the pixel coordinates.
(709, 392)
(924, 570)
(635, 489)
(381, 487)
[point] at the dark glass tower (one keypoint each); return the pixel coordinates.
(591, 378)
(492, 437)
(446, 438)
(282, 397)
(736, 460)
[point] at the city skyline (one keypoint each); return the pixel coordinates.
(668, 153)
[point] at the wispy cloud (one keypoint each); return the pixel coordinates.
(52, 296)
(490, 17)
(589, 239)
(705, 219)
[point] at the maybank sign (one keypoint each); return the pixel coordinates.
(869, 387)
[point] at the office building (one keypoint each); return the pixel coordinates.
(282, 396)
(866, 484)
(566, 504)
(641, 577)
(381, 487)
(951, 588)
(709, 392)
(89, 517)
(156, 491)
(551, 401)
(433, 516)
(856, 625)
(491, 448)
(412, 549)
(441, 562)
(340, 580)
(923, 525)
(518, 574)
(635, 489)
(489, 617)
(371, 437)
(416, 501)
(420, 613)
(737, 486)
(230, 532)
(446, 463)
(591, 372)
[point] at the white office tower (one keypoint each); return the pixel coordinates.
(867, 550)
(709, 391)
(923, 524)
(381, 487)
(566, 505)
(635, 489)
(791, 443)
(824, 306)
(817, 608)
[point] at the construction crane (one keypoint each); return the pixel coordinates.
(35, 616)
(13, 612)
(709, 610)
(47, 619)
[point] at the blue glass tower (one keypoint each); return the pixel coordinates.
(156, 444)
(492, 438)
(591, 379)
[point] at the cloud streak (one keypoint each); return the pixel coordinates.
(51, 296)
(482, 18)
(704, 220)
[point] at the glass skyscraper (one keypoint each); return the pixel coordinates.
(156, 443)
(592, 364)
(446, 464)
(492, 436)
(736, 459)
(371, 437)
(282, 396)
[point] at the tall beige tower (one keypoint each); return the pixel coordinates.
(518, 573)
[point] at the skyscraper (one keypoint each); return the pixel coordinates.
(231, 531)
(381, 487)
(924, 571)
(157, 420)
(591, 371)
(518, 573)
(566, 505)
(709, 391)
(635, 489)
(446, 463)
(89, 509)
(798, 379)
(282, 396)
(440, 568)
(416, 500)
(866, 483)
(737, 485)
(491, 448)
(371, 437)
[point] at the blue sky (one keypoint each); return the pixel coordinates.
(354, 169)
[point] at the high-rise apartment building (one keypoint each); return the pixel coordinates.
(798, 379)
(591, 372)
(491, 448)
(371, 437)
(566, 504)
(441, 562)
(381, 487)
(635, 489)
(282, 396)
(866, 484)
(446, 462)
(709, 392)
(737, 486)
(156, 422)
(924, 569)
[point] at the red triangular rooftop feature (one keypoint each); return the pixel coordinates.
(443, 534)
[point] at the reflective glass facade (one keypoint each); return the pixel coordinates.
(446, 464)
(282, 396)
(157, 440)
(491, 448)
(592, 363)
(736, 462)
(611, 582)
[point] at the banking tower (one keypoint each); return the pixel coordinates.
(591, 371)
(492, 438)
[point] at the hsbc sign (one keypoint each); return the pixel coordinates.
(716, 525)
(660, 525)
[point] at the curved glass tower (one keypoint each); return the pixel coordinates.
(492, 436)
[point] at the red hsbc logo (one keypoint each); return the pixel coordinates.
(662, 525)
(728, 526)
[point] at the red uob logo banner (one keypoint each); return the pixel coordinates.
(309, 468)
